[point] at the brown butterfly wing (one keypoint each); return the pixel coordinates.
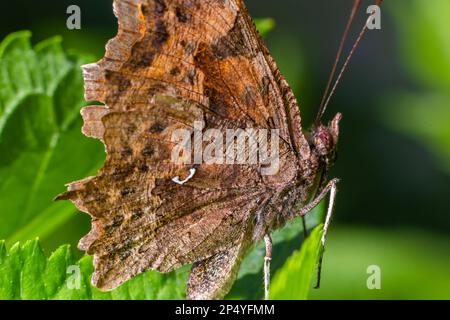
(173, 63)
(141, 218)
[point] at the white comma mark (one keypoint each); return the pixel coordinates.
(191, 175)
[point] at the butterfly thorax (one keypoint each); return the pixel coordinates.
(310, 178)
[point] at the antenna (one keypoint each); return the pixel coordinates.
(326, 99)
(355, 8)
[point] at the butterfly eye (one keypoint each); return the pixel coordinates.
(323, 141)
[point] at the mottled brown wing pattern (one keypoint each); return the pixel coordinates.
(174, 62)
(141, 219)
(203, 50)
(214, 276)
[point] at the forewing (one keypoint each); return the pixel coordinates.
(207, 51)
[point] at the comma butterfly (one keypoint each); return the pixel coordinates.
(196, 69)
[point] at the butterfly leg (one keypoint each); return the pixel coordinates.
(267, 259)
(305, 230)
(331, 188)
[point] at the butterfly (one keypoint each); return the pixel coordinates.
(175, 63)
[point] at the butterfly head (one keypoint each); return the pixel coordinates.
(324, 140)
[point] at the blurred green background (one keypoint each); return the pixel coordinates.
(394, 156)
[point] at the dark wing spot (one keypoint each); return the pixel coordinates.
(140, 58)
(160, 7)
(131, 128)
(233, 44)
(146, 60)
(181, 15)
(126, 191)
(161, 34)
(250, 96)
(161, 186)
(127, 152)
(144, 9)
(156, 128)
(217, 102)
(117, 79)
(117, 221)
(148, 151)
(141, 55)
(122, 172)
(113, 225)
(175, 71)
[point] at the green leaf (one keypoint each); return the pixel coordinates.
(264, 25)
(424, 117)
(420, 23)
(41, 147)
(424, 114)
(25, 273)
(414, 264)
(293, 280)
